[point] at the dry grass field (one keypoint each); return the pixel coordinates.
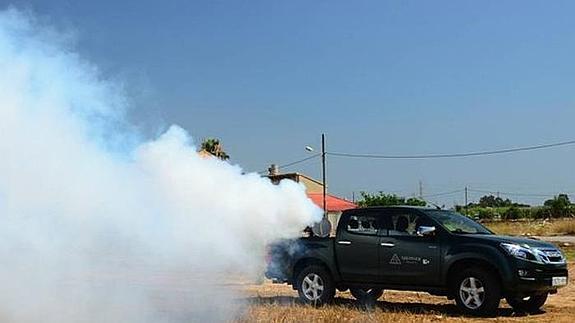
(535, 227)
(278, 303)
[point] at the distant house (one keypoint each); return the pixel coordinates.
(314, 189)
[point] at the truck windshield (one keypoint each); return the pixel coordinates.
(457, 223)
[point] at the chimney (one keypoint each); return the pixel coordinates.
(274, 170)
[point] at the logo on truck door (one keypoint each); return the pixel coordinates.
(408, 260)
(395, 260)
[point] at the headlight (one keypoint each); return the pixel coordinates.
(521, 252)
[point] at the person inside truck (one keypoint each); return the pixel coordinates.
(353, 224)
(401, 225)
(368, 225)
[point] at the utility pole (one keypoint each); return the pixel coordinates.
(323, 174)
(420, 190)
(466, 200)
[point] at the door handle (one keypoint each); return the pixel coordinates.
(387, 244)
(345, 242)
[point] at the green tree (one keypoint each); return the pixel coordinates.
(492, 201)
(213, 146)
(560, 205)
(413, 201)
(383, 199)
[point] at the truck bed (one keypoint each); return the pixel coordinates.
(283, 256)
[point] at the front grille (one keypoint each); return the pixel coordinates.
(551, 256)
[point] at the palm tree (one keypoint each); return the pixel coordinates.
(213, 146)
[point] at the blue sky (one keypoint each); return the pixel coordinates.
(394, 77)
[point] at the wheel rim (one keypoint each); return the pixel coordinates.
(312, 287)
(472, 293)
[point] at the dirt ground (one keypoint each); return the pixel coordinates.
(278, 303)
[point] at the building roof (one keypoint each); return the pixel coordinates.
(205, 154)
(333, 203)
(292, 175)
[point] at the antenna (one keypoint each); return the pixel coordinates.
(436, 206)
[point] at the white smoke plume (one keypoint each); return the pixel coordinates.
(99, 226)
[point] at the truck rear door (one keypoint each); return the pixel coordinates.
(357, 247)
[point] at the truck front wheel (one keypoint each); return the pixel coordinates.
(315, 285)
(529, 304)
(477, 292)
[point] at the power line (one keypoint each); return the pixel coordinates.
(453, 155)
(294, 162)
(430, 156)
(515, 193)
(443, 193)
(299, 161)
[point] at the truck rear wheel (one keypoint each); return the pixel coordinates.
(366, 294)
(477, 292)
(528, 304)
(315, 285)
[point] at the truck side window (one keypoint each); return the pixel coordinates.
(406, 224)
(353, 225)
(362, 224)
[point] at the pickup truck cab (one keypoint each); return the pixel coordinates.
(420, 249)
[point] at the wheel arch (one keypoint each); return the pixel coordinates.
(302, 263)
(476, 254)
(471, 262)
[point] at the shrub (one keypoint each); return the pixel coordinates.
(512, 213)
(485, 214)
(541, 212)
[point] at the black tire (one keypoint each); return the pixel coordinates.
(530, 304)
(477, 292)
(315, 285)
(366, 294)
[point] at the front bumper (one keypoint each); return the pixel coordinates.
(529, 278)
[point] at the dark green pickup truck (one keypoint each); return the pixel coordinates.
(420, 249)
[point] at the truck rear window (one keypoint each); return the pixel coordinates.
(362, 224)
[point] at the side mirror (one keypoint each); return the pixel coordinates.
(424, 231)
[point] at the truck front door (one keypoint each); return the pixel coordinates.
(357, 247)
(407, 258)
